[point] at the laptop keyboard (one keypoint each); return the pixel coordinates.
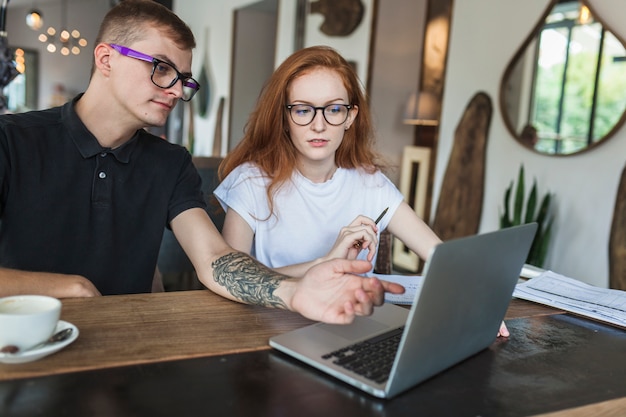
(371, 358)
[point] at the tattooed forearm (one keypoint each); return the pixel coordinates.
(248, 280)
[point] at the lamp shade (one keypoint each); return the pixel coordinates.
(421, 109)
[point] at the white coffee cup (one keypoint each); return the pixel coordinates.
(27, 320)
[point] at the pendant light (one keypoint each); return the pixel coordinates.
(67, 42)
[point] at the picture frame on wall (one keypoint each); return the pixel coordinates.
(413, 185)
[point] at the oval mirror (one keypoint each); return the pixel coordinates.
(564, 91)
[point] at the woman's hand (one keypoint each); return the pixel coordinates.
(503, 332)
(360, 234)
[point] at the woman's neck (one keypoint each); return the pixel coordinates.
(317, 173)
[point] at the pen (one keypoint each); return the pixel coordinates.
(357, 244)
(381, 215)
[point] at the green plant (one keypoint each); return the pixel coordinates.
(539, 248)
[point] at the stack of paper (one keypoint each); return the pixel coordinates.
(571, 295)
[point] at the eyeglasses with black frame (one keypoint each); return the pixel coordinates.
(304, 114)
(164, 74)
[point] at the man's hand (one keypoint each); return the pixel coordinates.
(329, 292)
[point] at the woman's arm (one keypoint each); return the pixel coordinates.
(407, 226)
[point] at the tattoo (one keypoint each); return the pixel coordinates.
(248, 280)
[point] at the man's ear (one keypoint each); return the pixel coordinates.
(102, 54)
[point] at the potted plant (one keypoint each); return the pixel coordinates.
(521, 213)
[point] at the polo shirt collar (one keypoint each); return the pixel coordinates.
(86, 142)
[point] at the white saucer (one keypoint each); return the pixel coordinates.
(34, 354)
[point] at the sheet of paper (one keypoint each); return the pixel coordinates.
(411, 283)
(531, 271)
(575, 296)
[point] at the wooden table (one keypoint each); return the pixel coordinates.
(143, 328)
(197, 351)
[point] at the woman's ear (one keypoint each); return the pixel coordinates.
(354, 111)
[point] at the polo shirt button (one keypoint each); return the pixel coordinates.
(102, 175)
(103, 154)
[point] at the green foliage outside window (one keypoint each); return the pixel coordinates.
(563, 108)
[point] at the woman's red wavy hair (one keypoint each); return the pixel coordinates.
(266, 140)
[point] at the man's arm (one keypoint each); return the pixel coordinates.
(15, 282)
(328, 292)
(247, 280)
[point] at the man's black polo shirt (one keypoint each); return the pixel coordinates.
(69, 205)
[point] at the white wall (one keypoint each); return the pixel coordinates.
(584, 185)
(217, 16)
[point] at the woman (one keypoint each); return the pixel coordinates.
(306, 168)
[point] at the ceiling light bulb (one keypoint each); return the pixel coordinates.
(34, 19)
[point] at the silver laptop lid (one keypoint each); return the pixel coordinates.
(467, 288)
(468, 284)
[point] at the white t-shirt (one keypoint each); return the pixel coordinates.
(307, 216)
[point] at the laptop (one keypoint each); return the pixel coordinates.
(468, 285)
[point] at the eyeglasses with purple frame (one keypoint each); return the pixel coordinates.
(164, 74)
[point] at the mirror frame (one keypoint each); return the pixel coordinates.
(518, 55)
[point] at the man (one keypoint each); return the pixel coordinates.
(85, 191)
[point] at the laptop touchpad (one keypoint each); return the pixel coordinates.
(361, 327)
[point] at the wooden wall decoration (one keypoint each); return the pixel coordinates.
(341, 17)
(617, 239)
(461, 197)
(345, 25)
(205, 94)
